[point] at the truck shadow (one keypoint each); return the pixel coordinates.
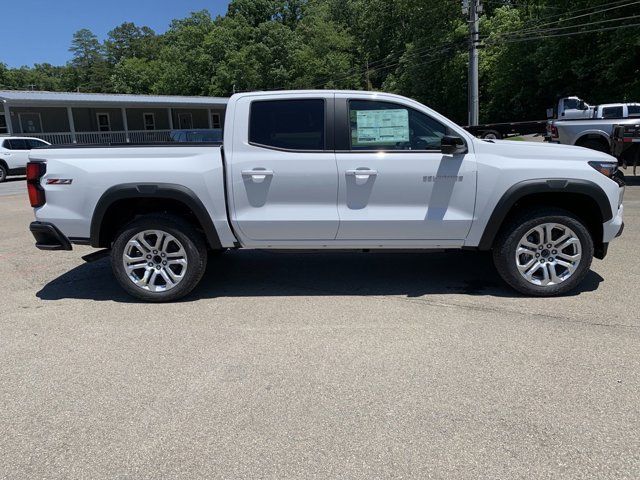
(261, 273)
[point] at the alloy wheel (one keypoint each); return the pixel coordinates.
(155, 260)
(548, 254)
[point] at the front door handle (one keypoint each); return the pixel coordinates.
(257, 175)
(362, 174)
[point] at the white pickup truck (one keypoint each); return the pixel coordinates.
(329, 170)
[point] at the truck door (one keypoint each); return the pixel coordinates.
(394, 182)
(284, 179)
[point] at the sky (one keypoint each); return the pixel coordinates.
(39, 31)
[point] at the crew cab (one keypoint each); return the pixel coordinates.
(320, 170)
(14, 154)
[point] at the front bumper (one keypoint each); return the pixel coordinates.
(48, 237)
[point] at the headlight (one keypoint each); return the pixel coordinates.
(608, 169)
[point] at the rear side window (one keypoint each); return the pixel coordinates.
(288, 124)
(612, 112)
(634, 110)
(33, 143)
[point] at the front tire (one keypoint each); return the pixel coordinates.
(3, 173)
(158, 258)
(544, 253)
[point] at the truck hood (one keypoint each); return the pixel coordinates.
(539, 150)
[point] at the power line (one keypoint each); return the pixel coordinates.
(516, 39)
(537, 27)
(556, 29)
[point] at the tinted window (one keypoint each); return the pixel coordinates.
(634, 110)
(389, 126)
(288, 124)
(34, 143)
(612, 112)
(17, 144)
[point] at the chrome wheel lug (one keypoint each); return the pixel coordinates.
(148, 257)
(554, 252)
(150, 264)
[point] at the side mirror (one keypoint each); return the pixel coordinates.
(582, 105)
(450, 145)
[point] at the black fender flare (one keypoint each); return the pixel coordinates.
(528, 187)
(169, 191)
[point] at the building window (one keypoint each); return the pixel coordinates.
(30, 122)
(185, 121)
(104, 122)
(3, 124)
(215, 120)
(149, 121)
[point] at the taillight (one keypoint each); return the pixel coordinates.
(35, 171)
(554, 131)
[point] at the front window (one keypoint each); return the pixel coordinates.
(390, 126)
(571, 104)
(288, 124)
(16, 144)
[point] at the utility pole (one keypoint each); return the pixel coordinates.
(473, 9)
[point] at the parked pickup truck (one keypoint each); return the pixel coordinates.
(594, 134)
(626, 145)
(321, 170)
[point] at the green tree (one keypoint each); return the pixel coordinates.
(131, 41)
(90, 69)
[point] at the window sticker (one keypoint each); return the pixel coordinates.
(378, 127)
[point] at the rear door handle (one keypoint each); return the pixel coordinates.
(257, 175)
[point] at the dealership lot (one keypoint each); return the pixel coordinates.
(316, 366)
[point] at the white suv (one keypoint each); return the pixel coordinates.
(14, 154)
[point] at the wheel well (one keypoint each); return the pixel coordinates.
(593, 137)
(582, 206)
(122, 211)
(4, 164)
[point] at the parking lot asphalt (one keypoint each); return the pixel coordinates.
(342, 365)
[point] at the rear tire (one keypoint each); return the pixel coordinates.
(158, 258)
(544, 252)
(3, 173)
